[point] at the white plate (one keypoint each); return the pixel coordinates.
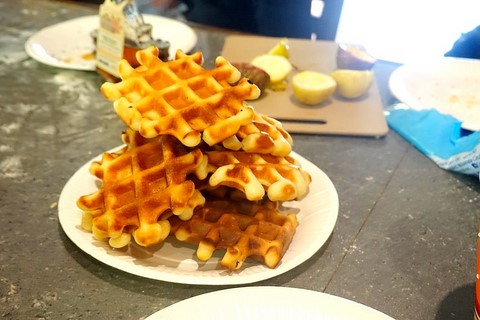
(268, 303)
(176, 262)
(69, 45)
(450, 85)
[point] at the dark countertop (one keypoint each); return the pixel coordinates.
(404, 242)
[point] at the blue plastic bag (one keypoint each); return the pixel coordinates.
(439, 136)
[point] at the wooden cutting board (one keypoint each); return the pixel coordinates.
(337, 116)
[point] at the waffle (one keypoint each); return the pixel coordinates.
(181, 98)
(142, 185)
(262, 135)
(192, 136)
(244, 228)
(255, 174)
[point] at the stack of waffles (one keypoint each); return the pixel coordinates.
(199, 164)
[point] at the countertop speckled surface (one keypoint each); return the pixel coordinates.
(404, 242)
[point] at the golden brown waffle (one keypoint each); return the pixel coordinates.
(181, 98)
(142, 185)
(262, 135)
(255, 174)
(192, 136)
(244, 228)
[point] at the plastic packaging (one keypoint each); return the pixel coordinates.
(439, 136)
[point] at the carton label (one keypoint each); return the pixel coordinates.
(110, 36)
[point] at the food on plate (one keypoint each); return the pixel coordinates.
(352, 83)
(257, 175)
(354, 57)
(256, 75)
(281, 48)
(142, 185)
(278, 67)
(192, 138)
(310, 87)
(243, 228)
(262, 135)
(181, 98)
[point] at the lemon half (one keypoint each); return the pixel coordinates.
(278, 67)
(352, 83)
(311, 87)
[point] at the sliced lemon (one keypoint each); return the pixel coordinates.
(312, 87)
(280, 49)
(277, 67)
(352, 83)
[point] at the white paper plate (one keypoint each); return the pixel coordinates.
(176, 262)
(450, 85)
(267, 303)
(69, 45)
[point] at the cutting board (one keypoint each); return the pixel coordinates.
(336, 116)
